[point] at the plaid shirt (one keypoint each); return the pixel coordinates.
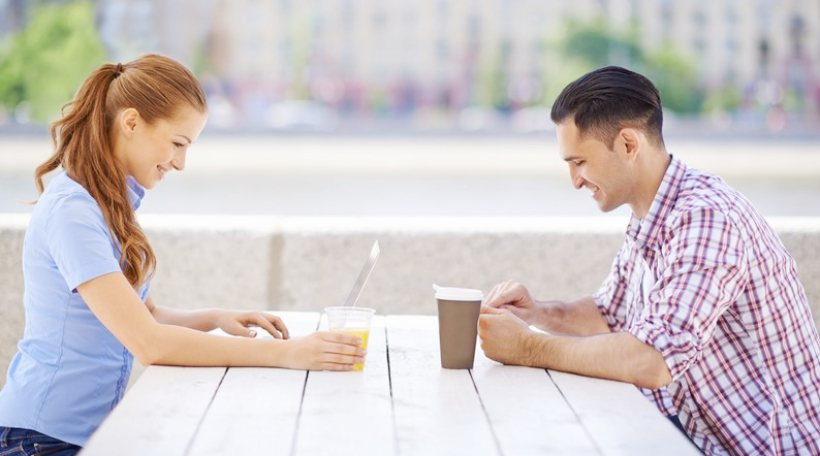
(707, 282)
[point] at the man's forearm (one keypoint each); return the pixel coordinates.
(574, 318)
(614, 356)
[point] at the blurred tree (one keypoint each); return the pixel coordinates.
(43, 64)
(585, 46)
(723, 99)
(598, 46)
(490, 88)
(676, 78)
(302, 44)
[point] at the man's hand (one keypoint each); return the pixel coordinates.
(504, 336)
(514, 297)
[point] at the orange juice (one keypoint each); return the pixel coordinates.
(363, 334)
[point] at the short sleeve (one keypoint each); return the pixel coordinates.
(702, 274)
(79, 241)
(610, 296)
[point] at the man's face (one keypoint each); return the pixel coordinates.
(596, 167)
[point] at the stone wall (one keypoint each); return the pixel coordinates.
(260, 262)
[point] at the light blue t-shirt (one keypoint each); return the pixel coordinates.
(69, 370)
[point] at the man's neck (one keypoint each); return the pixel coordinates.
(649, 181)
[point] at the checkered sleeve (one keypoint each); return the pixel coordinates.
(610, 295)
(704, 271)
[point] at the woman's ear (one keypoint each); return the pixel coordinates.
(128, 119)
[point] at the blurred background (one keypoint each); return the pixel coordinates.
(425, 107)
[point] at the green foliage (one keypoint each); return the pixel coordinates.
(598, 46)
(585, 46)
(45, 63)
(491, 83)
(676, 78)
(727, 98)
(556, 77)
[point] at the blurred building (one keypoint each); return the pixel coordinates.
(742, 42)
(11, 16)
(408, 55)
(421, 52)
(177, 28)
(401, 56)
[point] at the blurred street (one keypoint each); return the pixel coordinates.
(458, 175)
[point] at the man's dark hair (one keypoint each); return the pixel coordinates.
(608, 99)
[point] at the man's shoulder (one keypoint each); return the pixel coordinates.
(706, 202)
(701, 191)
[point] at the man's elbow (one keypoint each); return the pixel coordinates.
(653, 372)
(654, 380)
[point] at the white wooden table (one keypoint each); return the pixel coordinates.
(402, 403)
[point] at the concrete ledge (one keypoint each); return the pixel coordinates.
(287, 263)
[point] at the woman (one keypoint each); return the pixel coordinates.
(87, 266)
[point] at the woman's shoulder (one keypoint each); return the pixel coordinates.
(65, 199)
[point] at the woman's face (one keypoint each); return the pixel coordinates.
(148, 151)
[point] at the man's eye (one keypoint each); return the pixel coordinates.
(178, 145)
(579, 162)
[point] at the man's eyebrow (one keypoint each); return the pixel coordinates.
(187, 138)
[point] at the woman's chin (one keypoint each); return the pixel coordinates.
(148, 183)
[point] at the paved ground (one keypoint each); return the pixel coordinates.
(428, 175)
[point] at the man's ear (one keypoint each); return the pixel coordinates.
(128, 120)
(632, 141)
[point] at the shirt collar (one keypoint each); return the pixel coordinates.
(135, 192)
(645, 232)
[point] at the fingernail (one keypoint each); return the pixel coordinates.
(253, 333)
(361, 352)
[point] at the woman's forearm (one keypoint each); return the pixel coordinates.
(200, 320)
(182, 346)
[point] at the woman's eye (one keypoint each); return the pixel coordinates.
(178, 145)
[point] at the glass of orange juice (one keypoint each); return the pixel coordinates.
(351, 320)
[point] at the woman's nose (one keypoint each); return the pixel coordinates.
(178, 162)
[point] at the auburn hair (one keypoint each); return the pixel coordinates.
(157, 87)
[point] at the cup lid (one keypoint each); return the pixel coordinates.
(458, 294)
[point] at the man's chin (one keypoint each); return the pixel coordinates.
(607, 207)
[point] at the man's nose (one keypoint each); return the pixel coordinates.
(577, 180)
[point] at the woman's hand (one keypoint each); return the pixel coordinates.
(324, 350)
(240, 323)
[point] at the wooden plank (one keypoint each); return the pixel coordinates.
(619, 418)
(349, 412)
(527, 411)
(256, 409)
(436, 410)
(160, 413)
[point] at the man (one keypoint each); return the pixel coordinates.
(702, 308)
